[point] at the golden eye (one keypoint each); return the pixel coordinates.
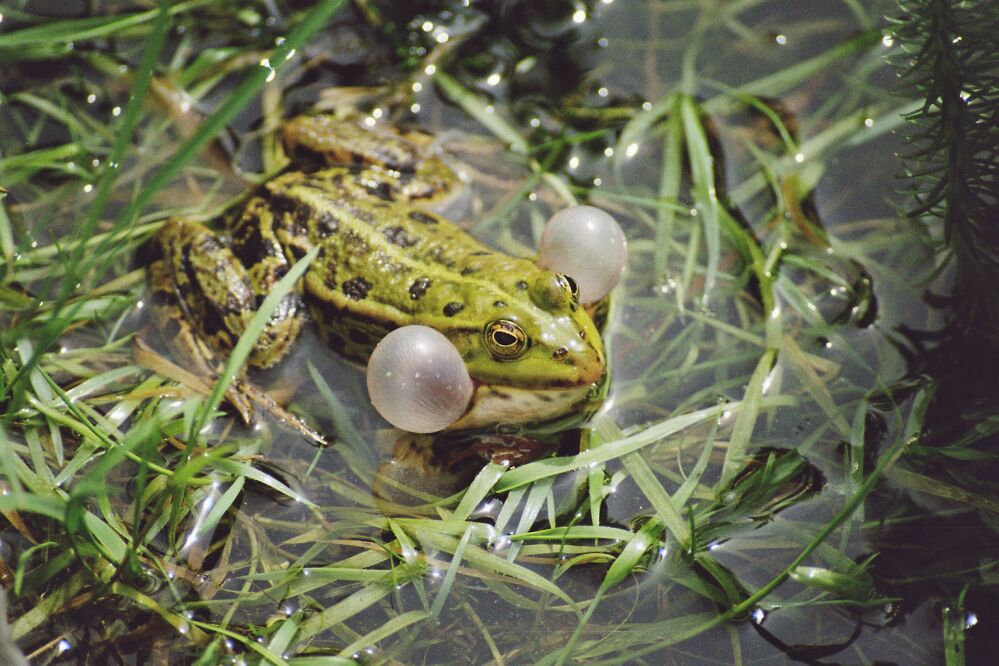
(505, 339)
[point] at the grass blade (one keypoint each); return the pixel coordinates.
(609, 450)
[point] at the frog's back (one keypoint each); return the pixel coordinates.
(382, 263)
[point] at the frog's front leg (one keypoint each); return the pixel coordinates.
(204, 299)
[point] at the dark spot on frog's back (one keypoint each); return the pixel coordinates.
(306, 158)
(398, 236)
(453, 308)
(419, 287)
(356, 288)
(212, 321)
(247, 243)
(284, 209)
(421, 217)
(381, 190)
(303, 215)
(326, 225)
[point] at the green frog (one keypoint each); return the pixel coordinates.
(365, 198)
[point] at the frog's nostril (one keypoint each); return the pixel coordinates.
(560, 353)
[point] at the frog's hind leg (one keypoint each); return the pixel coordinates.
(204, 299)
(388, 164)
(219, 295)
(179, 334)
(314, 142)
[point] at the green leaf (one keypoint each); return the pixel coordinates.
(851, 586)
(482, 111)
(395, 625)
(479, 489)
(548, 467)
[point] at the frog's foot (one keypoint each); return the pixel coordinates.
(242, 394)
(510, 450)
(263, 400)
(198, 381)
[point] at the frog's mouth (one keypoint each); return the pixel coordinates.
(493, 405)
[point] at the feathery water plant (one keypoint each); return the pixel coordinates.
(950, 59)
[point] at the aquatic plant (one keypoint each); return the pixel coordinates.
(950, 59)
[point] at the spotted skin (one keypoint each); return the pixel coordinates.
(384, 260)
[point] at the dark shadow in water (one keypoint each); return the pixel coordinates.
(809, 654)
(949, 540)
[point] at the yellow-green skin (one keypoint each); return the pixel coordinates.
(385, 260)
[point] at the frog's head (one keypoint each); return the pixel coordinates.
(536, 356)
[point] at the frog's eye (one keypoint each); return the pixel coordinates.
(571, 284)
(505, 339)
(588, 244)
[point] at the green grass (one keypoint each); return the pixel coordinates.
(736, 471)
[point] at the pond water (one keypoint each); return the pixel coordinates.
(768, 349)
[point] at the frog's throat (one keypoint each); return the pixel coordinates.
(492, 405)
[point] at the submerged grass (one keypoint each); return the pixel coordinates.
(146, 521)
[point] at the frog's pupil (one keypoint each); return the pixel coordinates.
(572, 285)
(504, 339)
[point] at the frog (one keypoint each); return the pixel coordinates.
(366, 199)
